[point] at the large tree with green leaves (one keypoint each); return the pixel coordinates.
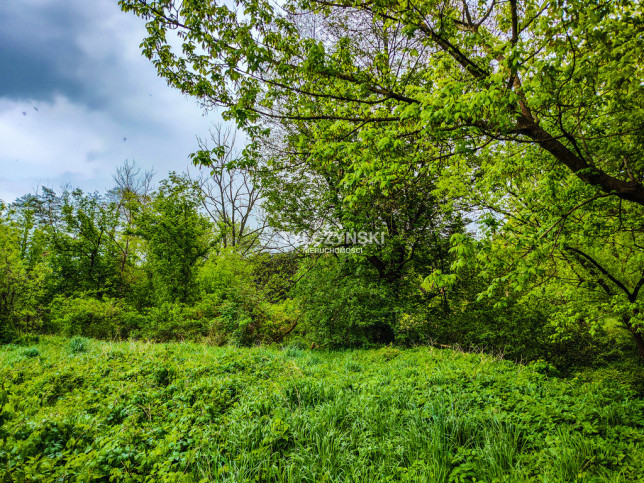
(564, 75)
(567, 244)
(541, 101)
(410, 225)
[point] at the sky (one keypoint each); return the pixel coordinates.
(77, 99)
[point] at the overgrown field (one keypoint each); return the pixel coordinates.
(92, 411)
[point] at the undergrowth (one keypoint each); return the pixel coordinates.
(98, 411)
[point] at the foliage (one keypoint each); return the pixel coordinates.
(342, 304)
(585, 262)
(131, 263)
(274, 273)
(177, 237)
(170, 321)
(185, 412)
(105, 318)
(226, 274)
(397, 230)
(79, 232)
(245, 316)
(21, 290)
(453, 77)
(229, 309)
(520, 334)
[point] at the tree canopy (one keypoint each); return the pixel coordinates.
(529, 114)
(457, 77)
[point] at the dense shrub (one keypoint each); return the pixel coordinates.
(274, 274)
(26, 340)
(231, 321)
(226, 275)
(240, 312)
(229, 309)
(518, 332)
(106, 318)
(342, 305)
(170, 321)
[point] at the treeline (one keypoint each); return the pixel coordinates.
(133, 262)
(519, 115)
(186, 261)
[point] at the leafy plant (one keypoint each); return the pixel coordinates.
(133, 410)
(106, 318)
(78, 345)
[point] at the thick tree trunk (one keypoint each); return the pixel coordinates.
(639, 341)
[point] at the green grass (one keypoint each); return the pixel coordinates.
(186, 412)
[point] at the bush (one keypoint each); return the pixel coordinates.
(236, 309)
(234, 320)
(520, 332)
(244, 322)
(226, 275)
(172, 321)
(274, 272)
(342, 306)
(27, 340)
(100, 319)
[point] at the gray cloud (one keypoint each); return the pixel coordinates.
(39, 51)
(77, 98)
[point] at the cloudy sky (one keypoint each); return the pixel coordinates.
(77, 99)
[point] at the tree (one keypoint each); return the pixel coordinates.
(519, 95)
(563, 76)
(177, 239)
(401, 233)
(410, 226)
(580, 250)
(78, 232)
(228, 193)
(343, 303)
(21, 288)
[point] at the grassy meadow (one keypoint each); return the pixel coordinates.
(83, 410)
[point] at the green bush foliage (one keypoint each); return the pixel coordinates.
(519, 333)
(274, 273)
(20, 285)
(185, 412)
(244, 313)
(342, 306)
(106, 318)
(229, 308)
(170, 321)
